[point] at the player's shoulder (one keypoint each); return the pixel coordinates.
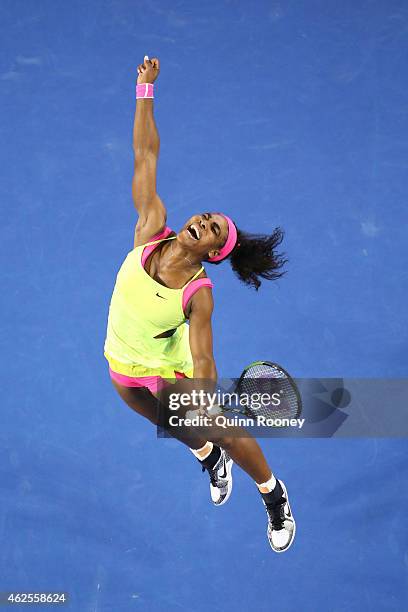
(151, 232)
(202, 299)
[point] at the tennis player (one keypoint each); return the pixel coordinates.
(162, 284)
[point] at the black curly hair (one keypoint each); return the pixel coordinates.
(255, 257)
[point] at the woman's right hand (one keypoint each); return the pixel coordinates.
(148, 71)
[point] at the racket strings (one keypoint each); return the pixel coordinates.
(265, 390)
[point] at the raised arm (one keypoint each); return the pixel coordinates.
(146, 145)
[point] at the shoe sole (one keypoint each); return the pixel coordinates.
(230, 463)
(294, 524)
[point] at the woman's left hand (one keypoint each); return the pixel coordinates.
(148, 71)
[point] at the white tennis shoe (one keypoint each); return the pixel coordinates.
(281, 524)
(221, 479)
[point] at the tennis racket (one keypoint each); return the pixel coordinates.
(267, 379)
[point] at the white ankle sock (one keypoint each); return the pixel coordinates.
(268, 486)
(204, 452)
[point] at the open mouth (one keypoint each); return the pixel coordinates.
(193, 232)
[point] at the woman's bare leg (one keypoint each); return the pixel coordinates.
(142, 401)
(245, 451)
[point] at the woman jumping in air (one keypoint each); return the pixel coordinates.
(162, 284)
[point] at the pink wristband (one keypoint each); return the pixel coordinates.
(144, 90)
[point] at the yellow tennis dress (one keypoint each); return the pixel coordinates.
(140, 309)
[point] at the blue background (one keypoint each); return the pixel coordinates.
(278, 113)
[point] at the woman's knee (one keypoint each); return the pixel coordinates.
(226, 442)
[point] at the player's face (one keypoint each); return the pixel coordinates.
(204, 233)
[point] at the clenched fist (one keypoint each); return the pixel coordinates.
(148, 71)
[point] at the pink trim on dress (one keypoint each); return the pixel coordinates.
(149, 249)
(193, 287)
(153, 383)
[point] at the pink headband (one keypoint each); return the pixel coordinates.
(230, 243)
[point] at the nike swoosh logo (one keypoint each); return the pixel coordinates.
(160, 296)
(224, 475)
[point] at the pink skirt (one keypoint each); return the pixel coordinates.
(153, 383)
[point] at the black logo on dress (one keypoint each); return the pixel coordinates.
(160, 296)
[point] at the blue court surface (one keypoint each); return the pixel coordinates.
(277, 113)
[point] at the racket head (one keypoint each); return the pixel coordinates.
(261, 377)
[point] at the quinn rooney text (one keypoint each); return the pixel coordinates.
(225, 422)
